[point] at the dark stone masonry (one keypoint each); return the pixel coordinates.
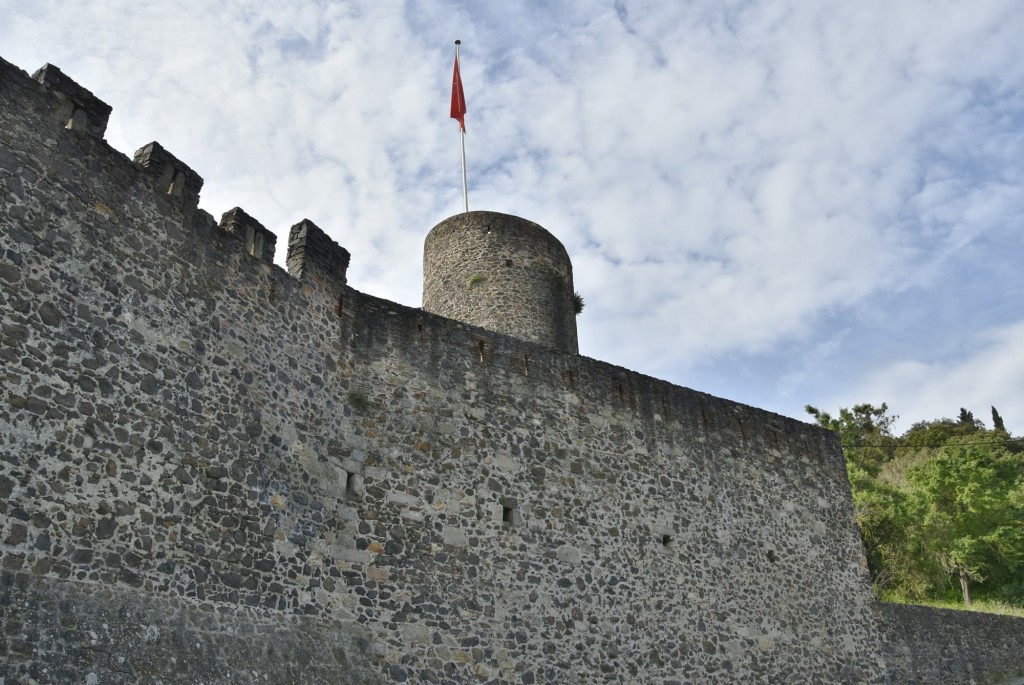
(216, 471)
(501, 273)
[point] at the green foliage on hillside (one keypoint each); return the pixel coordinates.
(940, 508)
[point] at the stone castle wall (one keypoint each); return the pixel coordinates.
(216, 471)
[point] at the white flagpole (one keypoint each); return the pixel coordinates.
(465, 191)
(462, 132)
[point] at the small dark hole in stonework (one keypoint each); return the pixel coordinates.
(666, 540)
(482, 345)
(772, 556)
(508, 262)
(526, 365)
(350, 483)
(340, 307)
(508, 516)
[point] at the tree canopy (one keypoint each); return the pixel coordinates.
(940, 508)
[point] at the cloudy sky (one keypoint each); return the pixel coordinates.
(780, 202)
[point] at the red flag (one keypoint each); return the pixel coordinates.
(458, 98)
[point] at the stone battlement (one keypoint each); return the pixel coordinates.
(63, 104)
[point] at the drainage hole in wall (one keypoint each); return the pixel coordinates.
(772, 556)
(666, 540)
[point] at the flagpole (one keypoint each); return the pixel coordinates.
(462, 132)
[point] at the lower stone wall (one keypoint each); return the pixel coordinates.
(941, 646)
(71, 632)
(63, 631)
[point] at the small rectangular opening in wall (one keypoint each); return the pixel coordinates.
(177, 184)
(526, 365)
(78, 120)
(666, 540)
(483, 346)
(510, 512)
(253, 242)
(350, 483)
(626, 393)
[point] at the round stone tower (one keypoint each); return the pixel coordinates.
(501, 273)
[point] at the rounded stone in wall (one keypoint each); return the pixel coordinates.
(502, 273)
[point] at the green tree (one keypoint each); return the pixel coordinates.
(968, 502)
(865, 433)
(968, 423)
(884, 517)
(997, 421)
(943, 502)
(938, 432)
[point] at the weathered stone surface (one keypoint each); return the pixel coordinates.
(928, 645)
(65, 632)
(216, 472)
(502, 273)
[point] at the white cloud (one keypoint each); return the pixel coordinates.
(991, 373)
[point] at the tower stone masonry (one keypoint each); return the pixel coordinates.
(501, 273)
(214, 470)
